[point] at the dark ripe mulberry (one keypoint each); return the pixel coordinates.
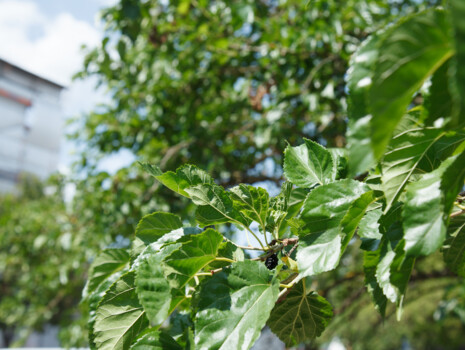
(271, 262)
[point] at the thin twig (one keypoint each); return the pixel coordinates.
(457, 213)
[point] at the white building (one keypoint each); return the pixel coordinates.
(31, 124)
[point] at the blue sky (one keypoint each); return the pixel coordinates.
(45, 37)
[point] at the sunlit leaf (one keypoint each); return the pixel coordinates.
(409, 52)
(156, 340)
(309, 164)
(354, 215)
(215, 206)
(403, 156)
(428, 204)
(359, 80)
(193, 255)
(368, 230)
(252, 202)
(234, 306)
(321, 236)
(108, 262)
(155, 225)
(153, 289)
(120, 317)
(185, 176)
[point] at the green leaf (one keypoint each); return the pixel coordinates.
(318, 253)
(368, 230)
(409, 52)
(393, 272)
(156, 340)
(120, 317)
(320, 245)
(428, 204)
(457, 13)
(340, 161)
(252, 202)
(153, 289)
(301, 317)
(151, 169)
(108, 262)
(402, 159)
(438, 99)
(185, 176)
(139, 246)
(215, 206)
(354, 215)
(234, 306)
(370, 262)
(454, 246)
(359, 80)
(230, 251)
(309, 164)
(279, 209)
(94, 300)
(193, 255)
(155, 225)
(326, 205)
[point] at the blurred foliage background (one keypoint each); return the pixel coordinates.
(223, 85)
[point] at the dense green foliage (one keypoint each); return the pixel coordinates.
(223, 85)
(219, 84)
(405, 205)
(42, 262)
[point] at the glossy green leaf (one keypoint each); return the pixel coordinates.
(153, 289)
(234, 306)
(402, 159)
(215, 206)
(368, 230)
(301, 317)
(230, 251)
(454, 246)
(321, 236)
(138, 246)
(185, 176)
(318, 252)
(340, 161)
(156, 340)
(193, 255)
(370, 262)
(428, 204)
(151, 169)
(326, 205)
(120, 317)
(409, 52)
(359, 80)
(94, 299)
(393, 272)
(354, 215)
(108, 262)
(457, 13)
(155, 225)
(309, 164)
(252, 202)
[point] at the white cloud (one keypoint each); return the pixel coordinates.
(106, 3)
(49, 47)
